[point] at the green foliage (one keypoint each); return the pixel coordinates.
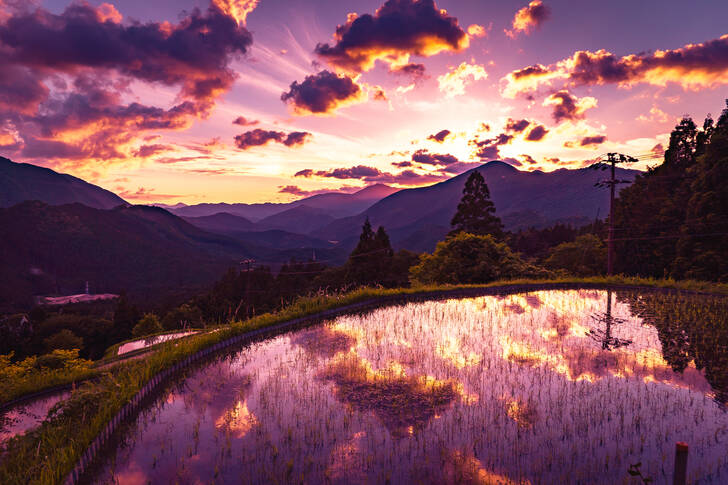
(184, 316)
(537, 243)
(584, 256)
(702, 247)
(476, 212)
(673, 220)
(64, 339)
(371, 261)
(470, 259)
(149, 324)
(126, 315)
(35, 373)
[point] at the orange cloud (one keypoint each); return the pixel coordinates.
(323, 93)
(567, 106)
(453, 82)
(692, 66)
(529, 18)
(398, 29)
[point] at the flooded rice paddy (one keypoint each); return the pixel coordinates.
(28, 415)
(541, 387)
(143, 343)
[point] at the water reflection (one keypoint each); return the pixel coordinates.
(27, 416)
(527, 388)
(148, 342)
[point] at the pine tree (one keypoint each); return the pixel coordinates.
(702, 245)
(476, 212)
(370, 262)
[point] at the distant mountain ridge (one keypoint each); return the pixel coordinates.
(417, 218)
(334, 204)
(22, 181)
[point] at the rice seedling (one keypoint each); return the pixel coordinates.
(523, 388)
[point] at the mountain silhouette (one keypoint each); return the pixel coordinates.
(334, 204)
(417, 218)
(22, 181)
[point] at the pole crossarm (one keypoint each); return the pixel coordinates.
(610, 162)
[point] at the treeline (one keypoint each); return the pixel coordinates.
(673, 221)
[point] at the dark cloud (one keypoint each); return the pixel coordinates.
(567, 106)
(488, 149)
(537, 133)
(307, 172)
(321, 93)
(529, 18)
(517, 126)
(243, 121)
(357, 172)
(512, 161)
(399, 28)
(145, 151)
(426, 158)
(414, 70)
(530, 71)
(380, 95)
(372, 174)
(403, 164)
(564, 107)
(593, 140)
(193, 54)
(694, 65)
(439, 136)
(63, 76)
(258, 137)
(528, 159)
(296, 190)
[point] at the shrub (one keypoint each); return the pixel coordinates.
(470, 259)
(149, 324)
(64, 339)
(583, 257)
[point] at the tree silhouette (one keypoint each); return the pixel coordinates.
(476, 212)
(370, 262)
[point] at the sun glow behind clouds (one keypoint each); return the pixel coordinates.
(237, 9)
(454, 69)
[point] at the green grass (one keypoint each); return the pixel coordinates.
(47, 454)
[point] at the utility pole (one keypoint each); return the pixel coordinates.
(248, 263)
(612, 160)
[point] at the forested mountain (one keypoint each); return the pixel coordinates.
(673, 221)
(417, 218)
(22, 181)
(48, 249)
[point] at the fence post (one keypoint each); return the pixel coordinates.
(681, 464)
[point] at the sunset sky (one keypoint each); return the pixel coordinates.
(269, 100)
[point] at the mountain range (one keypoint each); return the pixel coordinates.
(417, 218)
(22, 181)
(58, 231)
(334, 204)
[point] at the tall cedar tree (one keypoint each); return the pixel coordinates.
(703, 244)
(370, 262)
(672, 220)
(476, 212)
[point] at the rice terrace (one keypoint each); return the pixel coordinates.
(372, 242)
(492, 389)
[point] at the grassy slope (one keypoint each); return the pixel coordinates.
(48, 453)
